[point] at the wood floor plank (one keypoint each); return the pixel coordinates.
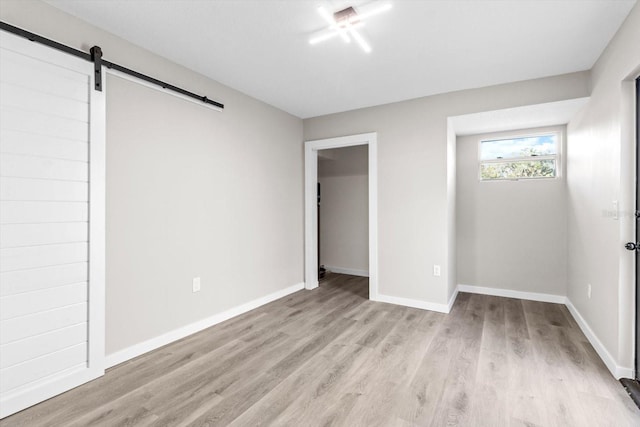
(294, 388)
(237, 403)
(421, 398)
(491, 386)
(456, 401)
(323, 387)
(331, 357)
(393, 363)
(516, 321)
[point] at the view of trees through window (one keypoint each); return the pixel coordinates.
(519, 158)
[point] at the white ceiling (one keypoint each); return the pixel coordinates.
(260, 47)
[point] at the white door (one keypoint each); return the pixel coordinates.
(51, 223)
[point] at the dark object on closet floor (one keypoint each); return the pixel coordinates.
(321, 272)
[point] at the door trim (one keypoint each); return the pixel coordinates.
(627, 306)
(311, 215)
(636, 328)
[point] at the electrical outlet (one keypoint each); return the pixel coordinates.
(589, 291)
(436, 270)
(196, 284)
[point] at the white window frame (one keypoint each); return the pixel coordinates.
(557, 157)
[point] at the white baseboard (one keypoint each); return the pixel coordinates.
(508, 293)
(351, 271)
(452, 300)
(311, 286)
(414, 303)
(154, 343)
(616, 370)
(164, 339)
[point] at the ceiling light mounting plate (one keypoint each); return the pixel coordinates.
(346, 16)
(346, 22)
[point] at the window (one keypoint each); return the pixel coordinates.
(522, 157)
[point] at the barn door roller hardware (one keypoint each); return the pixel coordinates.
(95, 56)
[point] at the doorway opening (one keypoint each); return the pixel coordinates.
(343, 228)
(311, 205)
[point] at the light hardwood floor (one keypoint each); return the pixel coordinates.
(332, 357)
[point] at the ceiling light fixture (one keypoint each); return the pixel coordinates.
(346, 22)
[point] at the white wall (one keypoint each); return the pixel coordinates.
(510, 234)
(414, 204)
(190, 191)
(600, 170)
(344, 210)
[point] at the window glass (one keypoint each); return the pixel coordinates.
(519, 158)
(528, 146)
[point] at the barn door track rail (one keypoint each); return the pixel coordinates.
(95, 56)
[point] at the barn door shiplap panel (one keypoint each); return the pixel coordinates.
(51, 223)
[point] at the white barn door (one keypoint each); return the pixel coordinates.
(51, 223)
